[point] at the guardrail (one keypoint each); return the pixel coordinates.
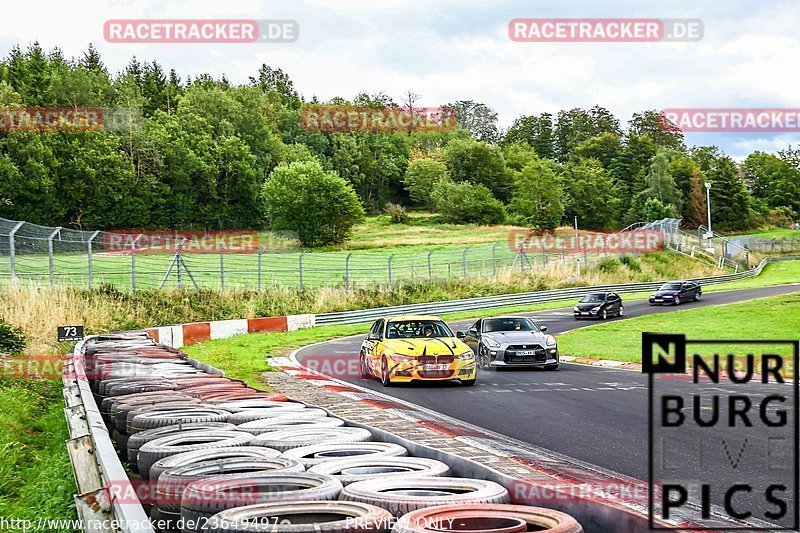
(95, 463)
(523, 298)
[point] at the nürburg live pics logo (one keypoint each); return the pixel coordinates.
(723, 433)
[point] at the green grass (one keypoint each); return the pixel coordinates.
(774, 233)
(35, 475)
(765, 318)
(245, 356)
(779, 273)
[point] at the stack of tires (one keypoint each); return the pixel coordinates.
(217, 455)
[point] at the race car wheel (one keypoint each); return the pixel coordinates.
(678, 300)
(386, 379)
(697, 297)
(483, 359)
(551, 367)
(621, 311)
(604, 316)
(362, 365)
(468, 382)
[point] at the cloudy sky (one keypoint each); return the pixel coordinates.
(448, 50)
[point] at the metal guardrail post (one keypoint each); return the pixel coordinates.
(347, 271)
(260, 252)
(89, 249)
(430, 267)
(222, 266)
(12, 251)
(50, 253)
(300, 269)
(390, 271)
(133, 262)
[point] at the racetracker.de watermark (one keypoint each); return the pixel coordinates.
(595, 243)
(347, 118)
(604, 30)
(187, 242)
(68, 119)
(731, 120)
(176, 31)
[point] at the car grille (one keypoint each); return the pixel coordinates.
(510, 356)
(432, 359)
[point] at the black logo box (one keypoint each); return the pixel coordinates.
(679, 366)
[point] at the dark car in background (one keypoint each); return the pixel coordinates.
(599, 305)
(511, 341)
(676, 292)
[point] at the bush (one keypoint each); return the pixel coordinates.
(397, 213)
(421, 177)
(12, 339)
(609, 264)
(463, 203)
(320, 206)
(631, 262)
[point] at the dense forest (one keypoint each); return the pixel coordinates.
(206, 153)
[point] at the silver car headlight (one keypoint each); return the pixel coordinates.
(576, 309)
(491, 342)
(550, 340)
(465, 356)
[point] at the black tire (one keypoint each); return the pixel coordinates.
(551, 367)
(279, 423)
(322, 453)
(235, 453)
(238, 406)
(468, 382)
(186, 442)
(304, 517)
(604, 316)
(386, 378)
(361, 469)
(697, 296)
(169, 417)
(124, 418)
(137, 441)
(274, 412)
(401, 495)
(172, 483)
(208, 497)
(362, 367)
(487, 517)
(299, 437)
(621, 311)
(677, 300)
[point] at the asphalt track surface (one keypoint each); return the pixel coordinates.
(595, 414)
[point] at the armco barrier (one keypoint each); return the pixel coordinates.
(524, 298)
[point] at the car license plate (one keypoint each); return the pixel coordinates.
(658, 300)
(436, 368)
(526, 352)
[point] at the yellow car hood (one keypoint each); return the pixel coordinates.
(435, 346)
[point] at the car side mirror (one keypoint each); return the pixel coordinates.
(472, 331)
(460, 334)
(543, 328)
(373, 337)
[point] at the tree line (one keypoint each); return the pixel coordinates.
(210, 154)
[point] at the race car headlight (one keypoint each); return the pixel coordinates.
(550, 340)
(576, 309)
(491, 342)
(399, 358)
(465, 356)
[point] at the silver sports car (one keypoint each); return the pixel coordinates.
(511, 341)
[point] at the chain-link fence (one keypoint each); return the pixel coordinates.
(40, 255)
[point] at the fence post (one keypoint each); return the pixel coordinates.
(494, 261)
(464, 261)
(50, 252)
(133, 262)
(605, 250)
(12, 251)
(390, 271)
(90, 256)
(222, 266)
(782, 239)
(430, 267)
(300, 270)
(347, 272)
(260, 252)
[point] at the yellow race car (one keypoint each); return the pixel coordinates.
(401, 349)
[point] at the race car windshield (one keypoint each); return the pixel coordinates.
(508, 324)
(593, 298)
(417, 329)
(670, 287)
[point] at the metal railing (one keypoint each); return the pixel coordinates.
(521, 299)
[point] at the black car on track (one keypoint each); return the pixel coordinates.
(599, 305)
(676, 293)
